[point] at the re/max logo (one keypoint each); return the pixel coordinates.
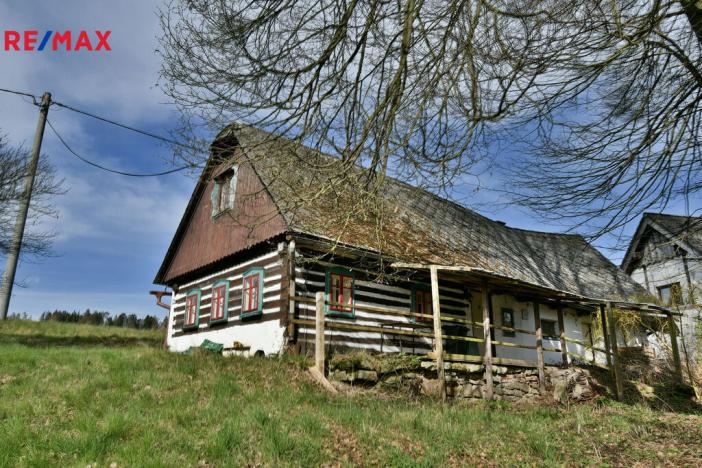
(55, 40)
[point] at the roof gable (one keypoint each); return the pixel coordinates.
(684, 231)
(200, 240)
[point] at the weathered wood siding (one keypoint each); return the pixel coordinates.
(310, 279)
(456, 300)
(201, 240)
(258, 332)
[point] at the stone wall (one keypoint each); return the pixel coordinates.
(463, 381)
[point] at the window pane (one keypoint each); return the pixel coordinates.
(665, 294)
(340, 292)
(247, 295)
(252, 293)
(548, 329)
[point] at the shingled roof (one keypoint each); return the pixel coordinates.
(685, 231)
(418, 226)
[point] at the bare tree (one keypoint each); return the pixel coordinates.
(602, 96)
(13, 167)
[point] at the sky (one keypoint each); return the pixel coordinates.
(112, 231)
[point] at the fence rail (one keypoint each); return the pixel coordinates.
(414, 329)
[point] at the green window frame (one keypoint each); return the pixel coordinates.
(216, 288)
(252, 281)
(332, 308)
(425, 294)
(193, 294)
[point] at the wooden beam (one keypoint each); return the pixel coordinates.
(319, 334)
(478, 359)
(674, 346)
(618, 378)
(561, 328)
(605, 336)
(291, 291)
(539, 348)
(487, 342)
(333, 325)
(438, 340)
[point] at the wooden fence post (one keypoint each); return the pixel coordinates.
(674, 346)
(319, 333)
(615, 352)
(438, 340)
(605, 337)
(539, 348)
(487, 342)
(561, 328)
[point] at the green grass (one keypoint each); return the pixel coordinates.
(68, 400)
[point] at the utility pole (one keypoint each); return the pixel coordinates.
(8, 276)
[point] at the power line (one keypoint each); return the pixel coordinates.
(20, 93)
(110, 121)
(127, 127)
(114, 171)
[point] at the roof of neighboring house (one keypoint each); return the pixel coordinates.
(685, 231)
(418, 226)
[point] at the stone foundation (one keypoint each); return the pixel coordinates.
(463, 381)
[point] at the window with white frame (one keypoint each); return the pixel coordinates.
(251, 295)
(219, 301)
(192, 309)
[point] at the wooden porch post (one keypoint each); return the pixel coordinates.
(319, 333)
(615, 352)
(438, 340)
(561, 328)
(487, 342)
(674, 346)
(605, 336)
(539, 348)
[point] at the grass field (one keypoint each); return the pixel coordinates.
(82, 395)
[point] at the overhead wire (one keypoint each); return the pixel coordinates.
(112, 122)
(128, 127)
(114, 171)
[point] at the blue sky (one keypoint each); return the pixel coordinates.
(112, 231)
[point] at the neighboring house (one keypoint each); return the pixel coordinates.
(258, 240)
(665, 256)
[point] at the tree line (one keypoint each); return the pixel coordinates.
(103, 318)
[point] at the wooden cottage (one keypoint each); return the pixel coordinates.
(263, 233)
(665, 257)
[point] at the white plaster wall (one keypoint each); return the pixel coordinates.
(261, 336)
(576, 327)
(266, 336)
(671, 271)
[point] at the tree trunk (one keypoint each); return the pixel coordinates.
(693, 11)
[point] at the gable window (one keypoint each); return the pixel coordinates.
(251, 296)
(508, 321)
(423, 305)
(219, 301)
(670, 294)
(224, 191)
(192, 309)
(549, 328)
(339, 290)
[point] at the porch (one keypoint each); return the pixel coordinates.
(483, 348)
